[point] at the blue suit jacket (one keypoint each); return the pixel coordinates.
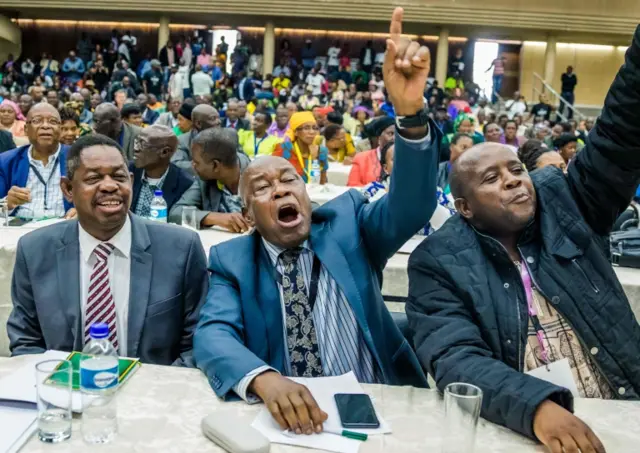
(167, 288)
(14, 169)
(175, 184)
(240, 326)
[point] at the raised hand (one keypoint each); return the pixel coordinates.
(405, 70)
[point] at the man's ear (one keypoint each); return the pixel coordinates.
(167, 151)
(462, 206)
(67, 189)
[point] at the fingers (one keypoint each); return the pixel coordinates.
(554, 446)
(302, 413)
(395, 29)
(318, 417)
(274, 408)
(21, 194)
(289, 414)
(422, 58)
(409, 53)
(584, 443)
(569, 444)
(597, 444)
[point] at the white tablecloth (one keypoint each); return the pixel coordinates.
(338, 173)
(160, 409)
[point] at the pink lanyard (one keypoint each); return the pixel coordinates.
(533, 312)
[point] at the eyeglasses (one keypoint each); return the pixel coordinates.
(309, 128)
(40, 121)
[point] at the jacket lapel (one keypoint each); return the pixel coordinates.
(21, 172)
(141, 267)
(68, 273)
(170, 185)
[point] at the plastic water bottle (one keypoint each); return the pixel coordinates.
(98, 384)
(315, 172)
(158, 210)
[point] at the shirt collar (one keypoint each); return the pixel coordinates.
(121, 241)
(52, 157)
(161, 179)
(275, 251)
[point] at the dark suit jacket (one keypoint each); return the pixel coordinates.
(240, 326)
(6, 141)
(241, 124)
(168, 286)
(175, 184)
(128, 138)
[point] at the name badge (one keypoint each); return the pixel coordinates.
(557, 373)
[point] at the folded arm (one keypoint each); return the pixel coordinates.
(604, 175)
(450, 347)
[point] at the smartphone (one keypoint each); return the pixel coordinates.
(356, 410)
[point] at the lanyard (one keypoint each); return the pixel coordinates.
(315, 276)
(533, 311)
(307, 169)
(256, 143)
(41, 179)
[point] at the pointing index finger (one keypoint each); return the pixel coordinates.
(395, 29)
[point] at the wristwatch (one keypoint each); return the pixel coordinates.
(420, 119)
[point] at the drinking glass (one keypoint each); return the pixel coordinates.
(462, 404)
(189, 219)
(4, 212)
(54, 390)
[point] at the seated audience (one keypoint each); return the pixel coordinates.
(150, 303)
(152, 170)
(300, 147)
(201, 117)
(233, 118)
(459, 144)
(132, 114)
(281, 125)
(492, 133)
(218, 165)
(11, 118)
(170, 117)
(366, 166)
(108, 121)
(30, 175)
(321, 271)
(518, 280)
(511, 137)
(335, 139)
(258, 142)
(567, 146)
(148, 115)
(535, 155)
(464, 124)
(69, 126)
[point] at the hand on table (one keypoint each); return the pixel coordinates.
(71, 214)
(291, 404)
(348, 160)
(234, 222)
(561, 431)
(18, 196)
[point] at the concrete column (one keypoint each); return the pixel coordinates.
(163, 32)
(550, 60)
(442, 57)
(269, 48)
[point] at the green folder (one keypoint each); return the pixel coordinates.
(126, 368)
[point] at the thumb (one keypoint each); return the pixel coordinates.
(390, 55)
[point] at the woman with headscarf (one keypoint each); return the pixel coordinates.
(464, 124)
(300, 148)
(11, 118)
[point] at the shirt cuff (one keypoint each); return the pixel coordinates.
(426, 138)
(243, 384)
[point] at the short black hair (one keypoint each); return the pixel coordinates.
(566, 127)
(456, 138)
(267, 116)
(530, 152)
(335, 118)
(130, 109)
(564, 140)
(69, 114)
(87, 141)
(219, 144)
(331, 130)
(383, 160)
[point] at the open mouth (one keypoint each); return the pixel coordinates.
(288, 216)
(110, 205)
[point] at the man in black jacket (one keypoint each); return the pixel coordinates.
(519, 278)
(6, 141)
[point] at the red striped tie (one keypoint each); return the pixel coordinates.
(100, 304)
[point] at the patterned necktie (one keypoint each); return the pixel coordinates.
(100, 304)
(302, 341)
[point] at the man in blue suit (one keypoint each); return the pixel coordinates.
(301, 296)
(30, 175)
(145, 279)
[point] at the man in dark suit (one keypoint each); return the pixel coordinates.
(232, 118)
(152, 169)
(108, 121)
(214, 194)
(145, 279)
(6, 141)
(202, 117)
(319, 270)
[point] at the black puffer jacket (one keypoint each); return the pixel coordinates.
(467, 305)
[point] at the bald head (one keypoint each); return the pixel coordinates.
(467, 163)
(153, 149)
(107, 120)
(258, 166)
(43, 128)
(76, 97)
(43, 108)
(160, 136)
(204, 117)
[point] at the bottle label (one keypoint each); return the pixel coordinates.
(158, 214)
(98, 379)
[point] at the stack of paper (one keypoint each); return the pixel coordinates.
(323, 390)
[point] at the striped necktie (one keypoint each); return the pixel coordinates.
(100, 304)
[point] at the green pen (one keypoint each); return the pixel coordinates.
(348, 434)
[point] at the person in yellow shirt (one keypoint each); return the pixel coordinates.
(282, 82)
(258, 142)
(339, 143)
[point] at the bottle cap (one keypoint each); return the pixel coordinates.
(158, 193)
(99, 330)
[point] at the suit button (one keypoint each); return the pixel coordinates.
(594, 351)
(555, 299)
(508, 341)
(506, 286)
(530, 259)
(621, 391)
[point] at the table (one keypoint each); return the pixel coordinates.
(164, 406)
(338, 173)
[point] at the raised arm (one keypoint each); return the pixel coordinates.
(604, 175)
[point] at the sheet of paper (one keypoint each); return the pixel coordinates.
(557, 373)
(17, 426)
(323, 390)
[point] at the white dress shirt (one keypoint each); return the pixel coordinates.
(46, 199)
(119, 263)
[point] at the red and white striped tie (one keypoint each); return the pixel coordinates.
(100, 304)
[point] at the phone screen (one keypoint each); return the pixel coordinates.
(356, 410)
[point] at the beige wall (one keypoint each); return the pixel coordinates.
(595, 67)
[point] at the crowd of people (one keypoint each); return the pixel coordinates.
(513, 281)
